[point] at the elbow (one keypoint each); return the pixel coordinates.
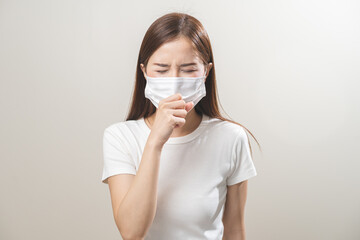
(128, 236)
(132, 238)
(126, 232)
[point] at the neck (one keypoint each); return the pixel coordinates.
(192, 121)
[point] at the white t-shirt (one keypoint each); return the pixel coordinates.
(194, 173)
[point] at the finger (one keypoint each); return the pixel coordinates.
(175, 104)
(173, 97)
(179, 121)
(189, 106)
(178, 112)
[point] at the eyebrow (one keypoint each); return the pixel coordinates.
(182, 65)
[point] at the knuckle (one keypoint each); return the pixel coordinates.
(162, 104)
(170, 119)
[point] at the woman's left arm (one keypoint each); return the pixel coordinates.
(233, 218)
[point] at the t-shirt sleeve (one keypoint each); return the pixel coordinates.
(242, 167)
(117, 159)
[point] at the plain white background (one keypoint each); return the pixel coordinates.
(287, 70)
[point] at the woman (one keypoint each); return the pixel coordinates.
(176, 168)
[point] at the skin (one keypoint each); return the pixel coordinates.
(234, 212)
(133, 215)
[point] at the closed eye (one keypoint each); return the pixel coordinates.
(183, 71)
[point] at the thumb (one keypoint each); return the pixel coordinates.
(189, 106)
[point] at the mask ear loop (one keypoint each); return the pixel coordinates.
(206, 70)
(205, 74)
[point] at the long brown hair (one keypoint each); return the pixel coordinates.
(165, 29)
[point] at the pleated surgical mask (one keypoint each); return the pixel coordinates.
(191, 88)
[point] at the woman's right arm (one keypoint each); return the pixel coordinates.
(137, 209)
(134, 197)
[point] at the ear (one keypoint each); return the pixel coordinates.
(208, 68)
(142, 69)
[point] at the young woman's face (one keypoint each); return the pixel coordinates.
(175, 59)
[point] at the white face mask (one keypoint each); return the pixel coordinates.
(191, 88)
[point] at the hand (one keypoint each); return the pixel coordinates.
(170, 114)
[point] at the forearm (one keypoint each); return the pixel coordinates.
(137, 210)
(235, 235)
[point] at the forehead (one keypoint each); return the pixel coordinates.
(176, 51)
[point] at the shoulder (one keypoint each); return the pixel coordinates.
(121, 130)
(121, 126)
(227, 129)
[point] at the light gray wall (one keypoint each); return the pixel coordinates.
(287, 70)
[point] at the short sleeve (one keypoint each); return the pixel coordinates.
(242, 167)
(117, 159)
